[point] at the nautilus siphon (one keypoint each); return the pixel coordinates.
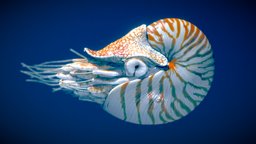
(155, 74)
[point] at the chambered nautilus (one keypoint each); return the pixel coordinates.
(155, 74)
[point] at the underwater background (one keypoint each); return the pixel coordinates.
(38, 31)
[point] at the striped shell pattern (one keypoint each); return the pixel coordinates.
(153, 75)
(167, 95)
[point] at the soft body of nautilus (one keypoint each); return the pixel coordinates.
(153, 75)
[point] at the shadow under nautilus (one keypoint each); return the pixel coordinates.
(155, 74)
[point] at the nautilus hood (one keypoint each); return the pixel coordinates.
(155, 74)
(133, 44)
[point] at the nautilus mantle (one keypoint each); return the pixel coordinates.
(155, 74)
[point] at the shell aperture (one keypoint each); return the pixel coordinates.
(155, 74)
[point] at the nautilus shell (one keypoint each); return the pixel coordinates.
(155, 74)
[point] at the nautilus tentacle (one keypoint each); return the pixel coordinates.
(155, 74)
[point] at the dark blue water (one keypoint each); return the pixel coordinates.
(34, 32)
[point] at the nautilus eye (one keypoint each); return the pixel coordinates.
(135, 67)
(155, 74)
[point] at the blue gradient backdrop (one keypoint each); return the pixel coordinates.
(33, 32)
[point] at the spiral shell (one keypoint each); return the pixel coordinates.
(170, 94)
